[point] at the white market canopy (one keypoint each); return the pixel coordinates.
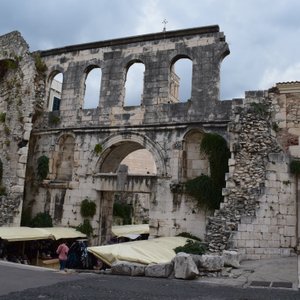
(65, 233)
(130, 230)
(158, 250)
(15, 234)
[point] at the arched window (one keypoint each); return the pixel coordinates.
(181, 80)
(134, 85)
(92, 87)
(55, 92)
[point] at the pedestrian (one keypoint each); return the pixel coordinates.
(62, 252)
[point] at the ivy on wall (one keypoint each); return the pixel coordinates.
(2, 188)
(295, 167)
(87, 210)
(207, 190)
(123, 211)
(42, 219)
(42, 167)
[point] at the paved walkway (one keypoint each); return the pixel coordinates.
(275, 273)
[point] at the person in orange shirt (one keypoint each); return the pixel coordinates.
(62, 252)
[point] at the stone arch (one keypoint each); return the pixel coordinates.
(134, 82)
(55, 89)
(63, 162)
(194, 162)
(118, 146)
(90, 90)
(180, 88)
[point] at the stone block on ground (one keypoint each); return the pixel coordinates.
(159, 270)
(127, 268)
(209, 263)
(184, 266)
(232, 258)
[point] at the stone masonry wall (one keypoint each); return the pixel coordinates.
(258, 215)
(17, 101)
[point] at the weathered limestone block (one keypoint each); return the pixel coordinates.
(231, 258)
(159, 270)
(210, 263)
(184, 266)
(127, 268)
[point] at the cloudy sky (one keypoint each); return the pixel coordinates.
(263, 35)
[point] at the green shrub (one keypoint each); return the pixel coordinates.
(124, 211)
(207, 190)
(1, 170)
(54, 119)
(98, 149)
(42, 219)
(202, 189)
(87, 208)
(260, 108)
(85, 228)
(42, 167)
(26, 218)
(189, 236)
(295, 167)
(39, 64)
(191, 247)
(2, 190)
(2, 117)
(6, 65)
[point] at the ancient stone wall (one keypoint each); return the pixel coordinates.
(17, 106)
(85, 147)
(258, 215)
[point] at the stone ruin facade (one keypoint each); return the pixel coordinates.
(259, 213)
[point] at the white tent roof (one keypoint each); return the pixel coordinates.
(65, 233)
(130, 230)
(13, 234)
(158, 250)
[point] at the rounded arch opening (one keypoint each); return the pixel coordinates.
(55, 93)
(128, 158)
(92, 87)
(180, 83)
(134, 83)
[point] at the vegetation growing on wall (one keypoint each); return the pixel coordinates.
(207, 190)
(85, 227)
(295, 167)
(42, 219)
(2, 188)
(260, 108)
(53, 118)
(42, 167)
(98, 149)
(191, 247)
(1, 170)
(6, 65)
(189, 236)
(123, 211)
(87, 208)
(39, 64)
(2, 117)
